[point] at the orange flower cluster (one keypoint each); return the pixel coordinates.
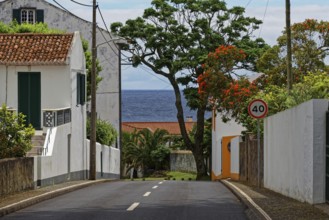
(312, 25)
(219, 63)
(227, 55)
(201, 80)
(237, 92)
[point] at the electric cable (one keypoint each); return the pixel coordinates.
(81, 3)
(261, 27)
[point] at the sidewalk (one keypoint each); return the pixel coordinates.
(15, 202)
(274, 205)
(262, 203)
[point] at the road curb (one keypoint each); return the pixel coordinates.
(45, 196)
(253, 211)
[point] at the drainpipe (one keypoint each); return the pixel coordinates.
(6, 100)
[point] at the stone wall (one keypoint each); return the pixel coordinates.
(16, 174)
(182, 161)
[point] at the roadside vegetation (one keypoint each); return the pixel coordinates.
(15, 135)
(145, 151)
(231, 96)
(149, 152)
(105, 133)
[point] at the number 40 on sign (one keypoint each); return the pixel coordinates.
(257, 108)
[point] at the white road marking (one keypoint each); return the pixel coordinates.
(147, 194)
(154, 187)
(160, 183)
(133, 206)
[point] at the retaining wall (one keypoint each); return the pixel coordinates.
(16, 174)
(182, 161)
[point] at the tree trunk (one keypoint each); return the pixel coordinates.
(196, 148)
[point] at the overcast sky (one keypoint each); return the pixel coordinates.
(272, 12)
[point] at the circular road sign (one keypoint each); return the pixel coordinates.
(257, 108)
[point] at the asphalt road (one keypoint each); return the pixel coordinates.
(136, 200)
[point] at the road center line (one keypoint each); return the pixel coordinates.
(154, 187)
(133, 206)
(147, 194)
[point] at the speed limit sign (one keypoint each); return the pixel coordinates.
(257, 108)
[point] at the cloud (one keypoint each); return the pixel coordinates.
(274, 22)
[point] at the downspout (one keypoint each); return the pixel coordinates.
(6, 99)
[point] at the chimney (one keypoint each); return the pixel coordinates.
(189, 119)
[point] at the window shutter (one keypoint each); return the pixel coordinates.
(17, 15)
(78, 89)
(40, 16)
(83, 89)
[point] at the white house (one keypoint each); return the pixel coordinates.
(219, 131)
(108, 92)
(43, 76)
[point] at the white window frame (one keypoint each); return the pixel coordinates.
(25, 18)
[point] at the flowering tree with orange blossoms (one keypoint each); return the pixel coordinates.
(228, 94)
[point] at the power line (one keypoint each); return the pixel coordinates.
(82, 4)
(261, 27)
(248, 4)
(101, 14)
(100, 30)
(61, 6)
(147, 71)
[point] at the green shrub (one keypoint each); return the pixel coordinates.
(105, 132)
(15, 136)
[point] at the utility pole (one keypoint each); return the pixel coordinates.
(92, 156)
(289, 54)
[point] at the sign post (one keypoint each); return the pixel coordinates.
(258, 109)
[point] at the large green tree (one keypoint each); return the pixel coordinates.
(174, 37)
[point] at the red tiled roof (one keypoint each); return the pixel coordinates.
(37, 49)
(171, 127)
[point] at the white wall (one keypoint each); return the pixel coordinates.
(235, 163)
(55, 86)
(2, 85)
(111, 160)
(46, 167)
(78, 112)
(294, 152)
(221, 130)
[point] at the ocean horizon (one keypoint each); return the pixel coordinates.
(152, 106)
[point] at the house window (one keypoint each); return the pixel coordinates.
(81, 89)
(28, 16)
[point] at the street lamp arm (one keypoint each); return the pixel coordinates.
(121, 39)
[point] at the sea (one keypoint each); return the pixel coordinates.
(152, 106)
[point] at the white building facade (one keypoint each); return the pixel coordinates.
(108, 93)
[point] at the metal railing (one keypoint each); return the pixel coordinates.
(47, 141)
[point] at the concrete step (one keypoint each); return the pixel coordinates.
(35, 151)
(37, 143)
